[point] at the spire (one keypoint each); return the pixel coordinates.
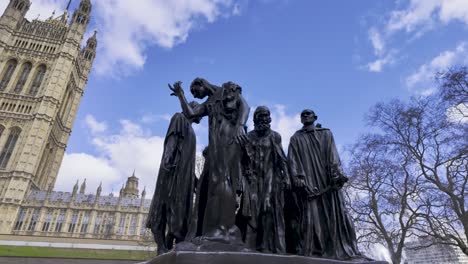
(99, 189)
(82, 15)
(83, 187)
(143, 193)
(68, 5)
(91, 43)
(75, 188)
(122, 191)
(98, 192)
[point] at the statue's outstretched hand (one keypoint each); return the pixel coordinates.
(176, 88)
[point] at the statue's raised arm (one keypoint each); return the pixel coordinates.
(190, 112)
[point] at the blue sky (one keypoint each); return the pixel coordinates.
(336, 57)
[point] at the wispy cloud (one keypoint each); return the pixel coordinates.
(421, 80)
(377, 41)
(411, 20)
(40, 8)
(381, 62)
(95, 126)
(117, 156)
(127, 29)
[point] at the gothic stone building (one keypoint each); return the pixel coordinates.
(79, 215)
(43, 73)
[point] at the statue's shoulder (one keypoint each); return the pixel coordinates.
(298, 133)
(275, 135)
(178, 117)
(251, 133)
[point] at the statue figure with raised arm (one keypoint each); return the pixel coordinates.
(227, 113)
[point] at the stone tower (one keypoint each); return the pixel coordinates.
(43, 74)
(131, 187)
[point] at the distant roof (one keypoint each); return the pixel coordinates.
(87, 199)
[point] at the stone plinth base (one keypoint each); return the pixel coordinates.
(190, 257)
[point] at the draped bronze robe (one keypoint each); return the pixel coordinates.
(326, 227)
(171, 207)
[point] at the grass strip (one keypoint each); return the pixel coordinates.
(49, 252)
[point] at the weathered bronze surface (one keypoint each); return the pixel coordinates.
(250, 197)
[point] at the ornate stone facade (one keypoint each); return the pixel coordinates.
(43, 74)
(419, 252)
(79, 215)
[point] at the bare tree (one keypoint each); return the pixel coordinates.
(438, 149)
(454, 89)
(410, 174)
(383, 190)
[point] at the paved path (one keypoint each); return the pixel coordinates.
(14, 260)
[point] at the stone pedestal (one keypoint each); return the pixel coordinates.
(190, 257)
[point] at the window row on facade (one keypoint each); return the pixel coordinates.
(23, 76)
(34, 46)
(104, 224)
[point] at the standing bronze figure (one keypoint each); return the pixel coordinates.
(227, 112)
(326, 228)
(171, 207)
(261, 214)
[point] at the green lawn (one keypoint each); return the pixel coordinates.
(18, 251)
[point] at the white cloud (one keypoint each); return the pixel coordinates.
(384, 57)
(119, 154)
(44, 8)
(416, 18)
(379, 252)
(458, 113)
(284, 124)
(377, 42)
(422, 80)
(129, 28)
(378, 64)
(421, 14)
(80, 166)
(94, 125)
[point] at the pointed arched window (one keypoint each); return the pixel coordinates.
(26, 69)
(7, 73)
(37, 81)
(9, 146)
(2, 128)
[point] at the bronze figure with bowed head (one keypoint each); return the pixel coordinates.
(227, 113)
(171, 207)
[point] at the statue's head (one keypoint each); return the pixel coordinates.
(200, 88)
(308, 117)
(262, 118)
(232, 86)
(197, 119)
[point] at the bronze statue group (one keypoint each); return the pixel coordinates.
(250, 195)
